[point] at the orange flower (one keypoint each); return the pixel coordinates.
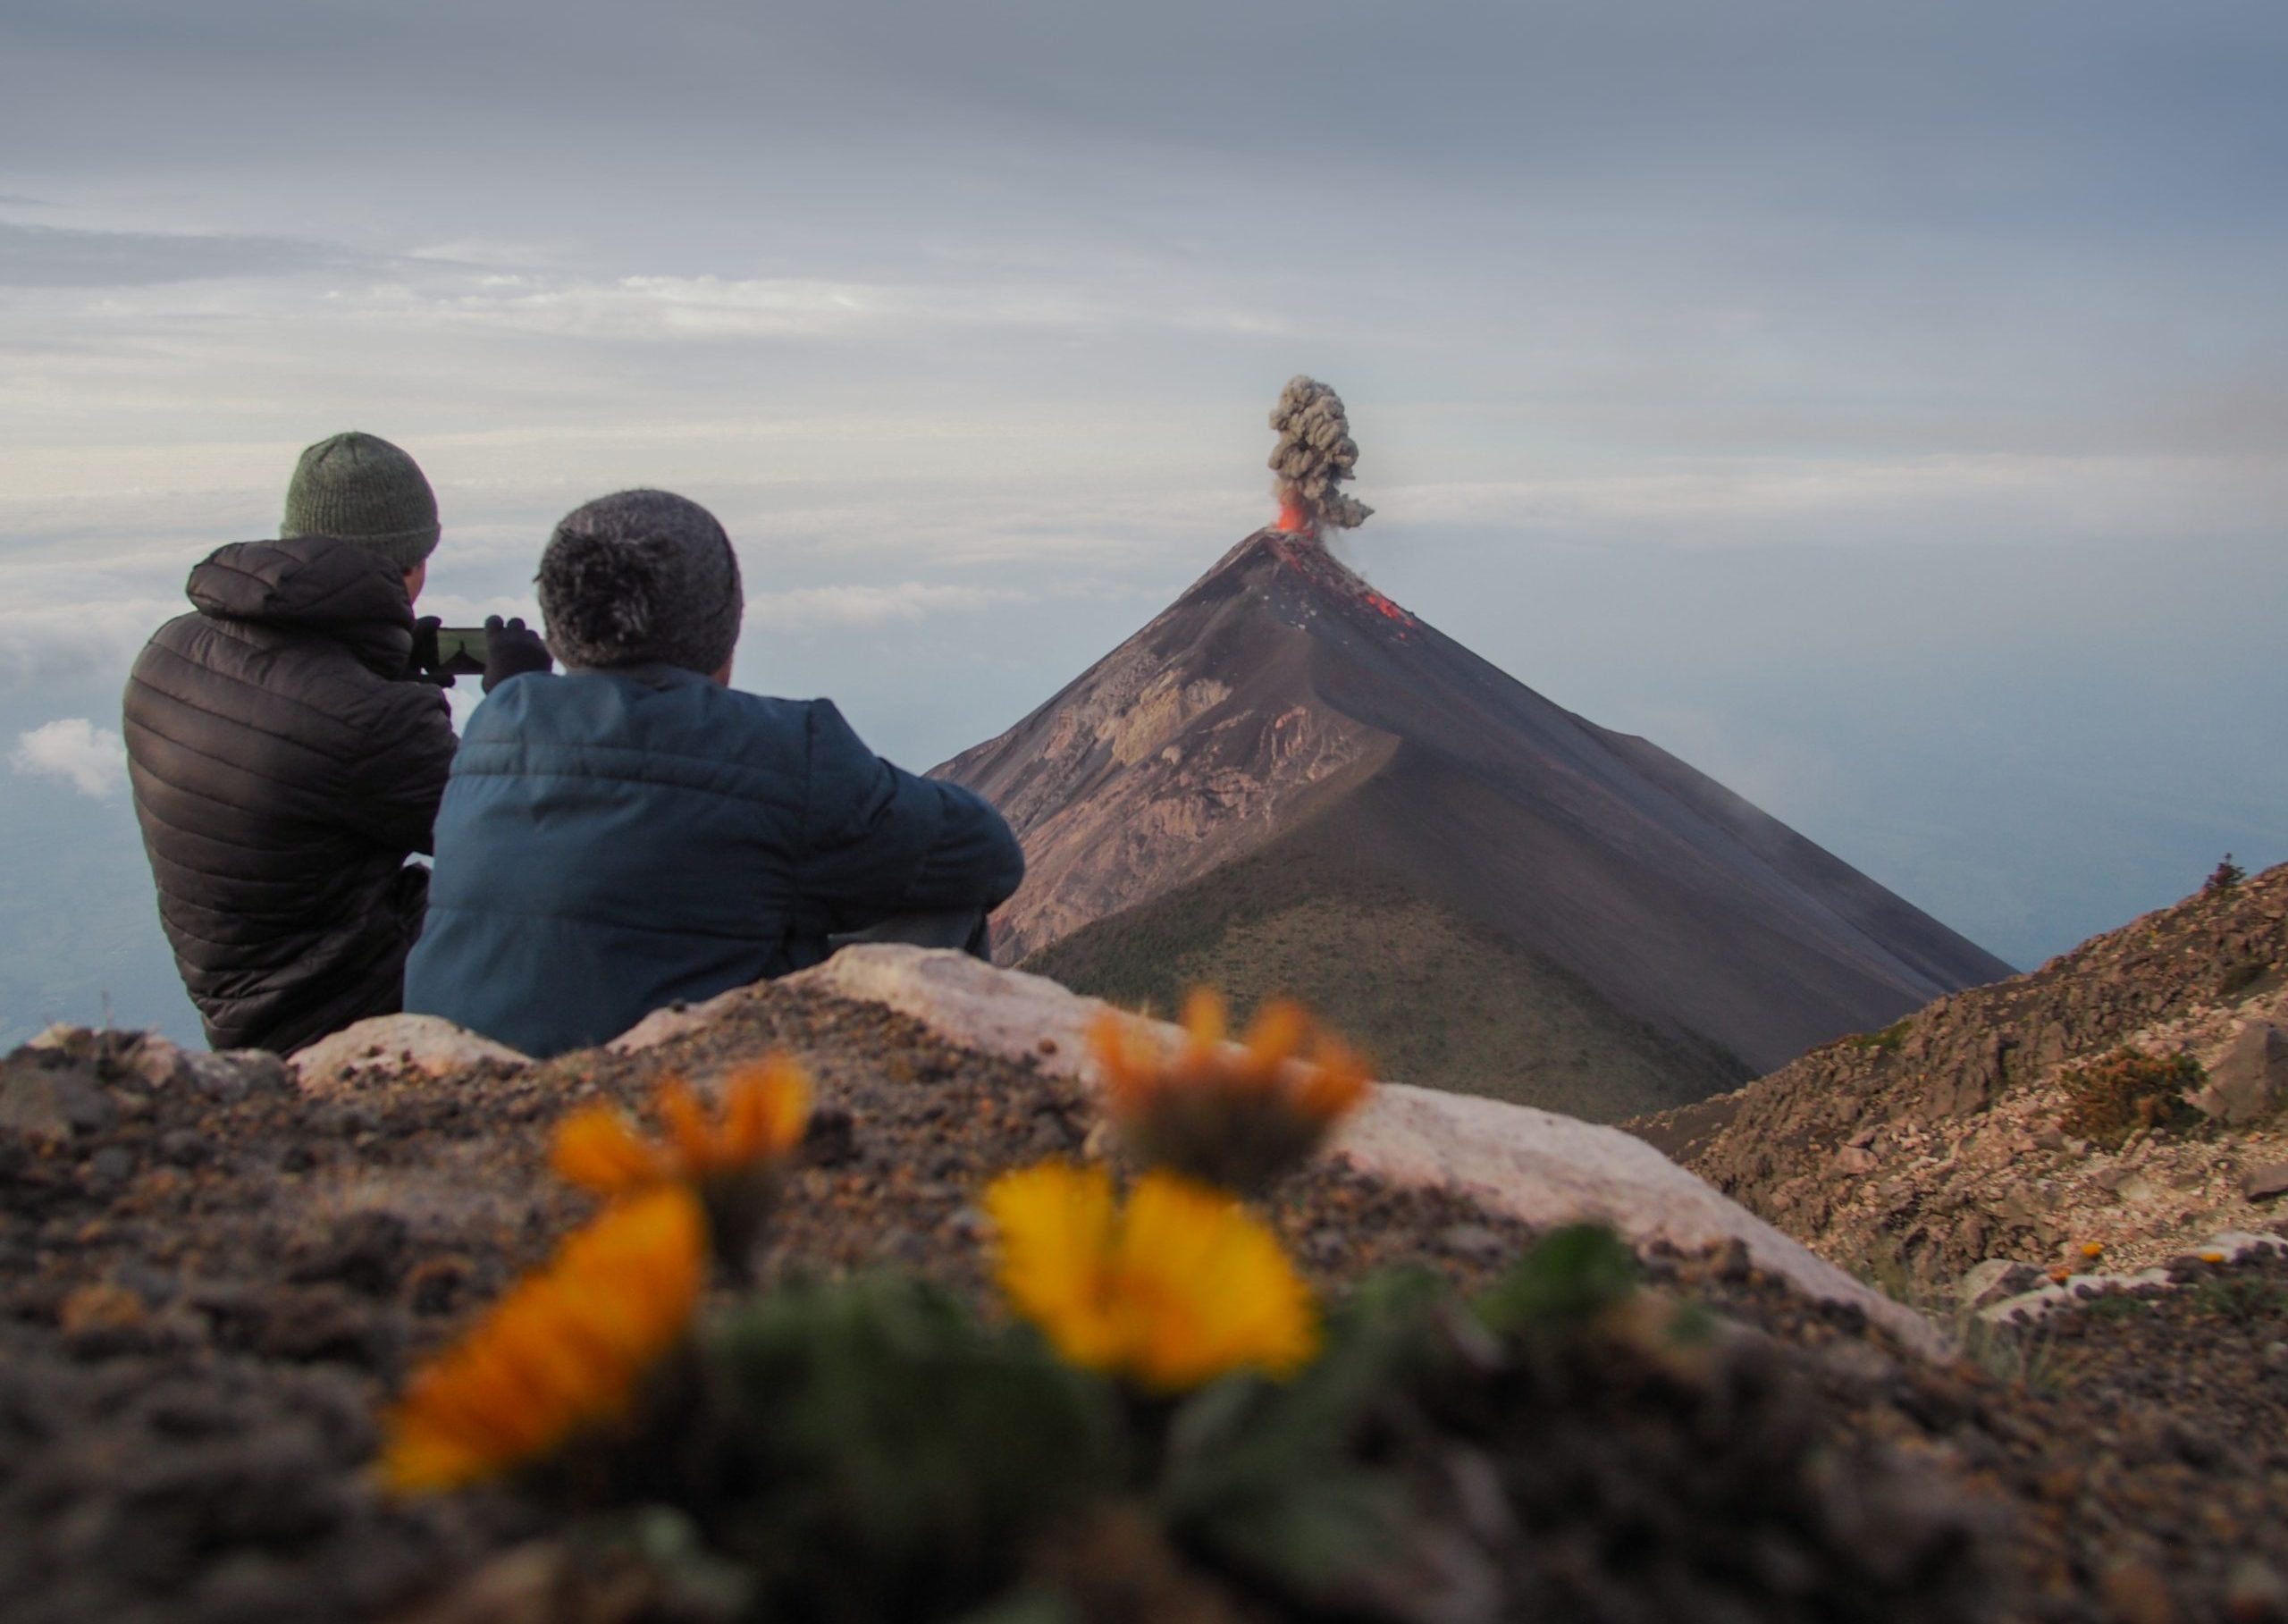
(764, 1109)
(563, 1351)
(731, 1158)
(599, 1150)
(1236, 1116)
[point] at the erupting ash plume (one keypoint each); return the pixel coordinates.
(1315, 455)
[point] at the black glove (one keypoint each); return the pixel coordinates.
(511, 649)
(423, 666)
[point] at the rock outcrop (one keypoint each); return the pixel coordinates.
(1533, 1166)
(428, 1044)
(1916, 1152)
(2248, 1076)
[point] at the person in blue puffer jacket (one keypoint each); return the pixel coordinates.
(634, 833)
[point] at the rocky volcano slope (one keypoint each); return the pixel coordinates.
(213, 1269)
(1650, 918)
(1963, 1134)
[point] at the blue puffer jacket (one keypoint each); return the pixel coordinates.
(611, 842)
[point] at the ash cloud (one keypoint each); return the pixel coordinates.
(1315, 455)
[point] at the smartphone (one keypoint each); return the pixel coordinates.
(460, 650)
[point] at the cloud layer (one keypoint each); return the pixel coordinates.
(825, 609)
(60, 256)
(91, 760)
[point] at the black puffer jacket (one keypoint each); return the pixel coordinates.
(283, 771)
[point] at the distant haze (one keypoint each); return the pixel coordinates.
(1882, 408)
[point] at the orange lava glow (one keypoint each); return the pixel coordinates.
(1293, 518)
(1312, 559)
(1386, 609)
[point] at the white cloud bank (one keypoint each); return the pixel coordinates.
(43, 642)
(92, 760)
(811, 608)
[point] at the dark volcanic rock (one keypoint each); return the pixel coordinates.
(2249, 1079)
(2263, 1183)
(48, 1096)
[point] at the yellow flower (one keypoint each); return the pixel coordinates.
(562, 1351)
(1180, 1287)
(764, 1109)
(1239, 1116)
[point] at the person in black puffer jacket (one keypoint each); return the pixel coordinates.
(287, 756)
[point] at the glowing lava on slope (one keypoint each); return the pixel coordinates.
(1308, 557)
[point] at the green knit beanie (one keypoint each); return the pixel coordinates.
(360, 489)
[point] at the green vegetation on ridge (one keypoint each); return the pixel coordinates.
(1436, 998)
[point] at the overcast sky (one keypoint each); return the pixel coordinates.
(1883, 408)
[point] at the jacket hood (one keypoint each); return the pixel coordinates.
(316, 584)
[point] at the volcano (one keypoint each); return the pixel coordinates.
(1287, 782)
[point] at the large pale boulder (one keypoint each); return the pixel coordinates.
(672, 1022)
(2248, 1075)
(1535, 1166)
(428, 1044)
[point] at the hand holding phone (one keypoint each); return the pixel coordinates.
(511, 649)
(496, 650)
(422, 662)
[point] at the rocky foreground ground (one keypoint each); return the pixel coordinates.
(211, 1277)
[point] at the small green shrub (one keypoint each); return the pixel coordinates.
(2226, 875)
(1883, 1042)
(2245, 1299)
(1570, 1277)
(2109, 1099)
(2021, 1356)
